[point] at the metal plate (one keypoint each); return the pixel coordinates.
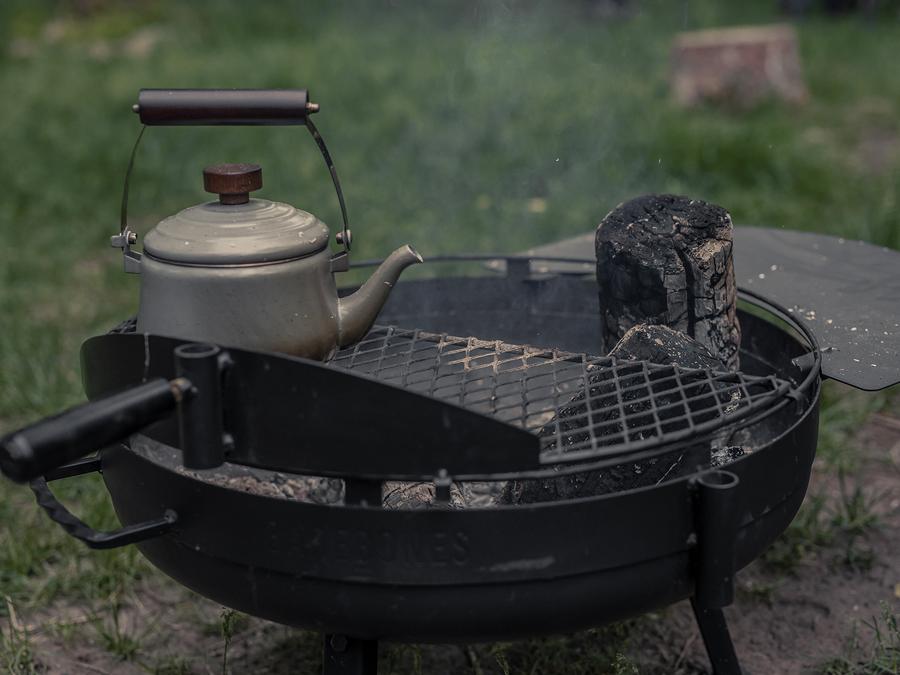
(291, 414)
(847, 292)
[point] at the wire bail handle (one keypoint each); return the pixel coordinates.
(225, 107)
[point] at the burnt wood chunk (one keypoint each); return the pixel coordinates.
(661, 344)
(667, 260)
(657, 344)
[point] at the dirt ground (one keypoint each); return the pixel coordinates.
(783, 621)
(792, 623)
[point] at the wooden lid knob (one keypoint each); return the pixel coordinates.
(232, 182)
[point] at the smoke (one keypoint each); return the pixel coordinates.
(496, 126)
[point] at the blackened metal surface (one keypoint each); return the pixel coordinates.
(200, 419)
(716, 517)
(78, 529)
(349, 656)
(847, 292)
(435, 574)
(716, 639)
(291, 414)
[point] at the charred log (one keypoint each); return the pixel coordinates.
(667, 260)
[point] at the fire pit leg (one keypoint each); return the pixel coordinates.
(343, 655)
(716, 516)
(716, 639)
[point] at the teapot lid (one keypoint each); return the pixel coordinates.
(236, 230)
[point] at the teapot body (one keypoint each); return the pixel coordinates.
(253, 274)
(288, 306)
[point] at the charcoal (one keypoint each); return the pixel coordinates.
(661, 344)
(419, 495)
(656, 344)
(722, 456)
(667, 260)
(316, 490)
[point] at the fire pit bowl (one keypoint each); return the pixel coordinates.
(362, 573)
(473, 574)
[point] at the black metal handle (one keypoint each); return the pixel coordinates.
(170, 107)
(77, 528)
(43, 446)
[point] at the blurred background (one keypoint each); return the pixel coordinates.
(455, 126)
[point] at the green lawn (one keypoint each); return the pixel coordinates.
(456, 126)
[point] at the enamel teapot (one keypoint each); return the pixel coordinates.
(241, 271)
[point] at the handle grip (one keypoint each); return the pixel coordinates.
(43, 446)
(244, 107)
(77, 528)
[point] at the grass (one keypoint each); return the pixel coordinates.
(173, 665)
(599, 650)
(118, 638)
(41, 563)
(15, 647)
(844, 410)
(853, 519)
(883, 657)
(231, 624)
(455, 126)
(758, 590)
(842, 523)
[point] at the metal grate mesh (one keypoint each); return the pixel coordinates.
(590, 405)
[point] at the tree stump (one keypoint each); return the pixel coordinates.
(667, 260)
(737, 65)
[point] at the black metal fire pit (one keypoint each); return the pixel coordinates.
(517, 396)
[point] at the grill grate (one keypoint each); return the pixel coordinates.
(579, 405)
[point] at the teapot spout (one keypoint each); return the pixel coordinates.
(358, 311)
